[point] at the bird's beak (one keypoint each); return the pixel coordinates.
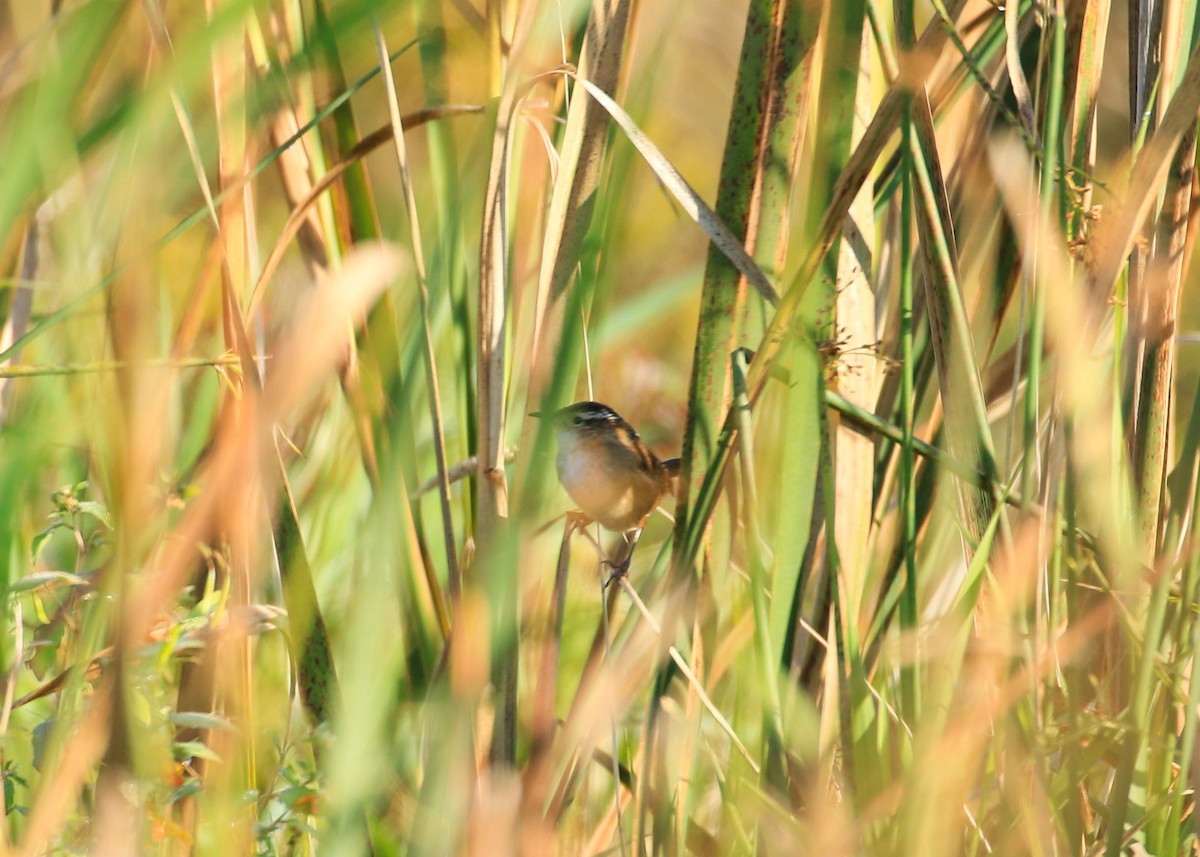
(536, 414)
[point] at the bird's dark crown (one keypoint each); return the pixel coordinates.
(586, 414)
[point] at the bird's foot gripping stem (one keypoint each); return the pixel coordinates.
(620, 567)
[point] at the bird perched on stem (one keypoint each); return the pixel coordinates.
(609, 473)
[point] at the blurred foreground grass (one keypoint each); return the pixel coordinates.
(906, 284)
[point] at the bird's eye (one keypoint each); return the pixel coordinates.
(578, 421)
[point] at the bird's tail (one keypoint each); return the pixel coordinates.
(671, 466)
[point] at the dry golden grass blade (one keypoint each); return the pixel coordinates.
(1093, 32)
(1073, 319)
(1117, 231)
(430, 361)
(600, 842)
(491, 499)
(694, 682)
(967, 429)
(295, 175)
(1089, 61)
(1152, 327)
(309, 354)
(854, 467)
(302, 209)
(492, 316)
(1162, 285)
(233, 686)
(318, 340)
(581, 158)
(76, 764)
(162, 42)
(242, 458)
(233, 217)
(947, 774)
(688, 199)
(1016, 74)
(855, 173)
(293, 164)
(537, 779)
(1171, 47)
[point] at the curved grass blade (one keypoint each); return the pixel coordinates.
(691, 201)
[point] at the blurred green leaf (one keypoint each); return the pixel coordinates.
(199, 720)
(184, 750)
(47, 580)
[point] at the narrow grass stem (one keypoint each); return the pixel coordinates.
(759, 584)
(430, 359)
(909, 602)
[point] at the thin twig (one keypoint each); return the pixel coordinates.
(44, 369)
(461, 470)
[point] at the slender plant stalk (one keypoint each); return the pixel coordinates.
(909, 602)
(430, 361)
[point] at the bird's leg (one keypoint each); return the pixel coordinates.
(621, 567)
(575, 520)
(578, 522)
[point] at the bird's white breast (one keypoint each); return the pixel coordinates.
(602, 490)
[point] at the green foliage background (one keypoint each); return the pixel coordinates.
(905, 283)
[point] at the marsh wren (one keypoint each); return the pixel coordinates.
(607, 470)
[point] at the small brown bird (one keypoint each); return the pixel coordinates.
(606, 469)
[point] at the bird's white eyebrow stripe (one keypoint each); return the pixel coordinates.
(601, 412)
